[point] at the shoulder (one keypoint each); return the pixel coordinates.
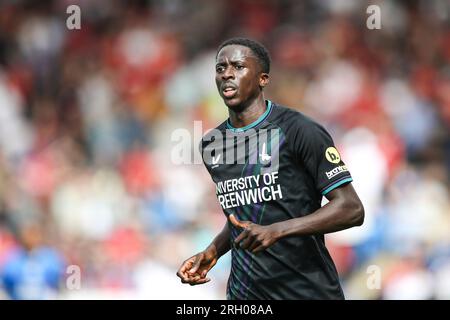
(294, 122)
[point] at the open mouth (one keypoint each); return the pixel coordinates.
(229, 92)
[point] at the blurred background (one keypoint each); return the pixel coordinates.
(86, 118)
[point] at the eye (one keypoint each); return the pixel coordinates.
(220, 69)
(239, 67)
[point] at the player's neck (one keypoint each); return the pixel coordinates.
(248, 114)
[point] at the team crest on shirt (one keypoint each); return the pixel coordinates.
(215, 161)
(263, 156)
(332, 155)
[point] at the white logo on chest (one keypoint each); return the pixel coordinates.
(264, 156)
(215, 161)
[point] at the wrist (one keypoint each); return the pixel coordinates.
(280, 230)
(211, 251)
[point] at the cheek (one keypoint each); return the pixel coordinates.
(217, 82)
(251, 84)
(245, 80)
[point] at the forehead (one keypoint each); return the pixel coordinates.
(236, 53)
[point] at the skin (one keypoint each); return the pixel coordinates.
(344, 210)
(238, 67)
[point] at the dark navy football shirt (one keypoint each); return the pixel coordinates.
(275, 169)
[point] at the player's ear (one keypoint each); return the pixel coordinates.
(263, 80)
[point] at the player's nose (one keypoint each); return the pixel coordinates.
(228, 74)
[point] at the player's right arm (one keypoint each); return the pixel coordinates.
(195, 269)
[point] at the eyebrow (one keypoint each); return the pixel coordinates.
(240, 60)
(231, 62)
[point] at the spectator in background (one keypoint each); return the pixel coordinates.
(72, 103)
(32, 270)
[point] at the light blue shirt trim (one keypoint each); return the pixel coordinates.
(334, 186)
(253, 124)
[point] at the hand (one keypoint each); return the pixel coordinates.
(195, 269)
(254, 237)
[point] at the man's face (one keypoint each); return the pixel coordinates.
(239, 75)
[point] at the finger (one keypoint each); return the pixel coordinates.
(182, 276)
(196, 278)
(187, 279)
(248, 243)
(235, 222)
(190, 278)
(259, 248)
(254, 245)
(242, 236)
(196, 264)
(185, 266)
(200, 281)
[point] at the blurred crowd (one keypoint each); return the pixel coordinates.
(87, 116)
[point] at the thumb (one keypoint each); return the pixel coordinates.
(196, 265)
(235, 222)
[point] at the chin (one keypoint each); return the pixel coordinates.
(234, 104)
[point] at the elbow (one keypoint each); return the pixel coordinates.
(354, 213)
(357, 214)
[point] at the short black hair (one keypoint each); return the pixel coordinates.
(258, 49)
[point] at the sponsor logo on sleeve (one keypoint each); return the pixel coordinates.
(332, 155)
(332, 173)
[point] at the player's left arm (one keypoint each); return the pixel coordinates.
(344, 210)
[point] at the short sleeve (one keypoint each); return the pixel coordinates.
(315, 149)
